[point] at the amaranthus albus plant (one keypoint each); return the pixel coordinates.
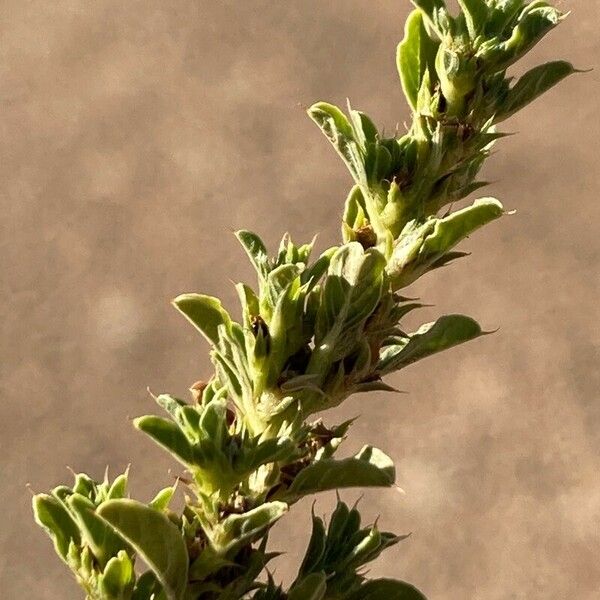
(312, 332)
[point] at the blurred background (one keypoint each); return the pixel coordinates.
(137, 135)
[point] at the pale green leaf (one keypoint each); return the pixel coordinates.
(415, 54)
(363, 128)
(154, 538)
(350, 293)
(460, 224)
(118, 489)
(85, 486)
(502, 15)
(53, 517)
(446, 332)
(256, 251)
(533, 84)
(476, 15)
(148, 588)
(118, 578)
(205, 313)
(436, 13)
(536, 20)
(237, 530)
(168, 435)
(338, 130)
(369, 468)
(249, 302)
(421, 246)
(271, 450)
(100, 538)
(163, 498)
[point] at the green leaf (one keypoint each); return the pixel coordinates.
(52, 516)
(340, 522)
(278, 281)
(338, 120)
(363, 128)
(101, 539)
(171, 405)
(354, 214)
(502, 15)
(436, 13)
(207, 564)
(168, 435)
(238, 530)
(213, 422)
(85, 486)
(271, 450)
(386, 589)
(369, 468)
(154, 538)
(148, 588)
(249, 302)
(415, 54)
(429, 7)
(338, 130)
(343, 527)
(205, 313)
(476, 15)
(316, 547)
(534, 22)
(256, 251)
(421, 246)
(312, 274)
(368, 545)
(118, 578)
(378, 161)
(533, 84)
(446, 332)
(460, 224)
(162, 500)
(349, 295)
(118, 489)
(312, 587)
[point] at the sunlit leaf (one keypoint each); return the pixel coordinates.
(52, 516)
(205, 313)
(446, 332)
(256, 251)
(349, 295)
(168, 435)
(338, 130)
(118, 578)
(155, 539)
(423, 245)
(415, 54)
(101, 539)
(239, 529)
(476, 15)
(369, 468)
(533, 84)
(436, 13)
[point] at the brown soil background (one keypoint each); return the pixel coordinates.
(137, 135)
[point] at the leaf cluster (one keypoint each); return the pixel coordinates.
(312, 331)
